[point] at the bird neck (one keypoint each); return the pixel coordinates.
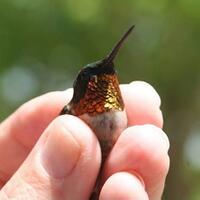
(102, 95)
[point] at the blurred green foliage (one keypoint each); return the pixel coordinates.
(43, 43)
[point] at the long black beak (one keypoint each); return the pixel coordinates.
(111, 56)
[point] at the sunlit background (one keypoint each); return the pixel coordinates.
(43, 43)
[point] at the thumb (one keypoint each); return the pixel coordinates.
(63, 164)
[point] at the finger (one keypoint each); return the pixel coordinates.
(142, 150)
(142, 104)
(22, 129)
(63, 164)
(123, 185)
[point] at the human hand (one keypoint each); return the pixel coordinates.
(43, 156)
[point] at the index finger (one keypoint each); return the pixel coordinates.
(20, 131)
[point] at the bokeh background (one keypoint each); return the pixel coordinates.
(43, 43)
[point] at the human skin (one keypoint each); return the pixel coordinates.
(46, 156)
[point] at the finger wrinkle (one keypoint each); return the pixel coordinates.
(29, 121)
(19, 187)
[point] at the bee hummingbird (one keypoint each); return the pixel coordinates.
(97, 100)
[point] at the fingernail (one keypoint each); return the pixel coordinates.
(60, 152)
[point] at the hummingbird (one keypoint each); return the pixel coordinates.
(97, 100)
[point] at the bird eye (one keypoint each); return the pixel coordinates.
(94, 78)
